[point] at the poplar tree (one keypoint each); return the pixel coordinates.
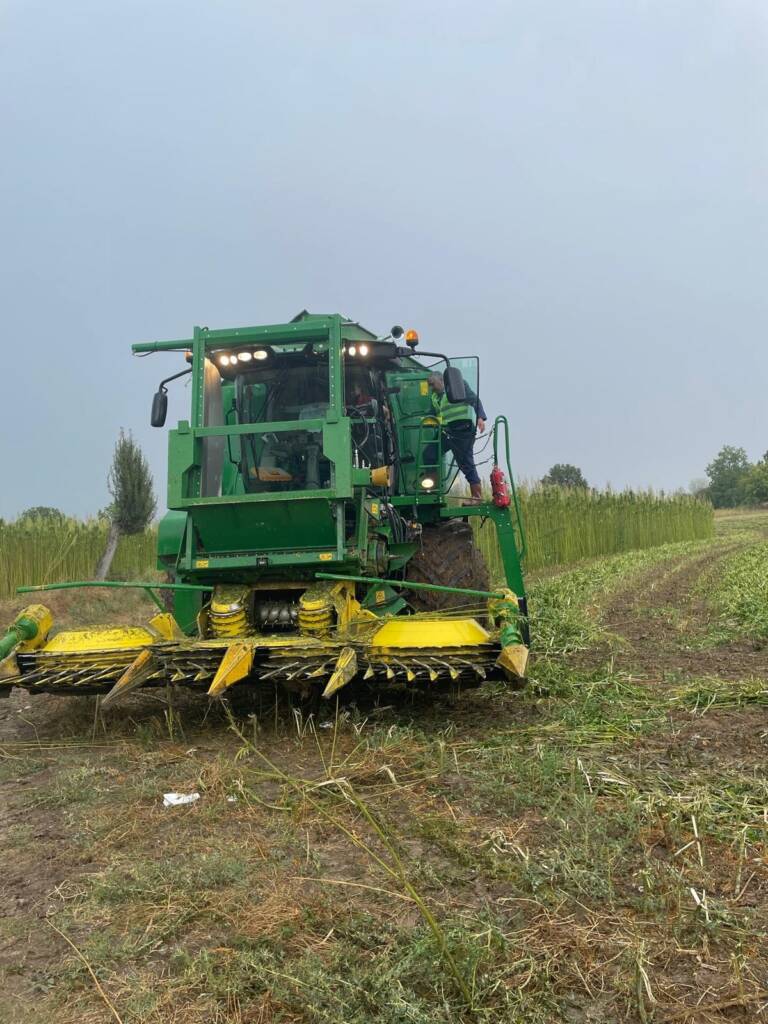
(133, 502)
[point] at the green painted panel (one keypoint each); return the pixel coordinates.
(170, 535)
(264, 526)
(418, 443)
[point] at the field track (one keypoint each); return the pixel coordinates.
(591, 850)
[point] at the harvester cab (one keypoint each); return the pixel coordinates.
(311, 538)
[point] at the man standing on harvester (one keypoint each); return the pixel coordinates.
(458, 427)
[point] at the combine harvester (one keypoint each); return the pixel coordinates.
(311, 540)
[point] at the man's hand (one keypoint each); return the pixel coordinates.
(481, 426)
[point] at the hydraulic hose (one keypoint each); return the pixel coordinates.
(499, 422)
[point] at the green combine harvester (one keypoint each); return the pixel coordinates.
(312, 540)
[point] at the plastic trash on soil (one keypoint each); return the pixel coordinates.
(179, 799)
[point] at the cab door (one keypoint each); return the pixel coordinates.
(469, 366)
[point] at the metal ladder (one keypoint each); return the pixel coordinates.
(430, 435)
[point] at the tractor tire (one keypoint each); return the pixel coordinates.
(448, 557)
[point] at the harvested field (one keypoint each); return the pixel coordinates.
(588, 851)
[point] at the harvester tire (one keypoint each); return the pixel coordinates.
(448, 557)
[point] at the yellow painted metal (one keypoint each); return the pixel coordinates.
(417, 633)
(137, 673)
(227, 611)
(9, 666)
(407, 649)
(271, 475)
(362, 621)
(315, 599)
(381, 476)
(266, 640)
(346, 667)
(167, 627)
(319, 602)
(513, 660)
(316, 609)
(235, 666)
(99, 638)
(43, 618)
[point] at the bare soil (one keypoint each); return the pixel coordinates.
(661, 619)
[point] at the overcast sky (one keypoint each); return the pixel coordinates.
(574, 190)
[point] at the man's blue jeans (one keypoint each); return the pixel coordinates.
(459, 438)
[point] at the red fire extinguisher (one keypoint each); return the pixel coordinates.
(499, 488)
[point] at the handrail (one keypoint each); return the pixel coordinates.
(411, 585)
(148, 588)
(502, 421)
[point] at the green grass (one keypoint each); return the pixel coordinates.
(740, 594)
(564, 607)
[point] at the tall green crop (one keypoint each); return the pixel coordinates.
(565, 526)
(39, 550)
(562, 527)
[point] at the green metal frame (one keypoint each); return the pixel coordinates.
(334, 425)
(355, 554)
(148, 588)
(411, 585)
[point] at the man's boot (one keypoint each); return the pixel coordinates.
(476, 495)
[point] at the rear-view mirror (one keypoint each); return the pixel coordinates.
(455, 388)
(159, 408)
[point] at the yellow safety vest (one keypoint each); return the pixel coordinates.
(450, 412)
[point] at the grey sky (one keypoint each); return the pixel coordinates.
(576, 191)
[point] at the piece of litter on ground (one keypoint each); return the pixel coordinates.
(326, 725)
(179, 799)
(231, 799)
(192, 750)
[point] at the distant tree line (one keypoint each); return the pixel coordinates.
(563, 474)
(733, 480)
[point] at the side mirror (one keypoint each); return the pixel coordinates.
(455, 388)
(159, 408)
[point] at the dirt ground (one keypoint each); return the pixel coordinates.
(592, 850)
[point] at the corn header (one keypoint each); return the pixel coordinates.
(311, 538)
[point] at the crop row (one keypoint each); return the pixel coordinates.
(562, 527)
